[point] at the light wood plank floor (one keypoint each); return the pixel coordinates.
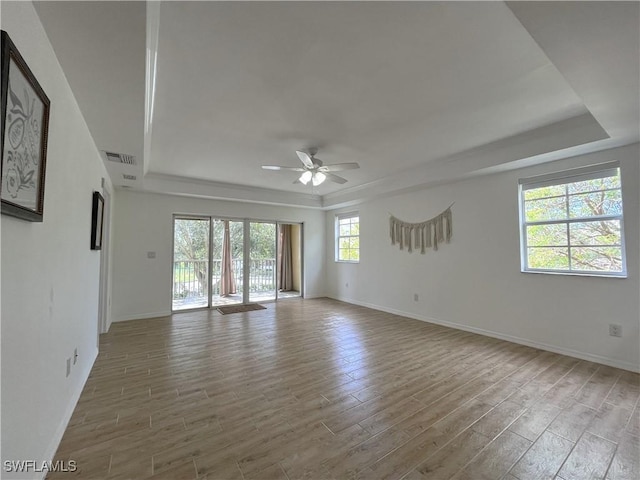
(322, 389)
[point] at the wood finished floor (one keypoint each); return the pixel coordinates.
(319, 389)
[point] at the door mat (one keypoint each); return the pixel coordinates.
(240, 308)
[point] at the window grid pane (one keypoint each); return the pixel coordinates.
(595, 233)
(594, 204)
(595, 185)
(545, 235)
(553, 208)
(545, 192)
(574, 226)
(551, 258)
(599, 259)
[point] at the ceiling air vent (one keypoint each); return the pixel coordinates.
(128, 177)
(120, 158)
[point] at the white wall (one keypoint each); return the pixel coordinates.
(143, 223)
(475, 282)
(50, 276)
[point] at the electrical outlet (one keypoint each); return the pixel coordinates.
(75, 356)
(68, 367)
(615, 330)
(415, 297)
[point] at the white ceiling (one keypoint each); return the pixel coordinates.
(415, 92)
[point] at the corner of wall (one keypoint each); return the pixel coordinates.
(64, 421)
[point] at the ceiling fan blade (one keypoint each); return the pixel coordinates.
(335, 178)
(280, 167)
(337, 167)
(297, 180)
(305, 159)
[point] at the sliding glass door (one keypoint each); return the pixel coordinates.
(262, 261)
(227, 266)
(226, 261)
(190, 262)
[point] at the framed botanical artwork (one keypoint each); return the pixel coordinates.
(97, 213)
(24, 123)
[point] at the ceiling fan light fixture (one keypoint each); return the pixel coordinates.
(318, 178)
(313, 170)
(305, 177)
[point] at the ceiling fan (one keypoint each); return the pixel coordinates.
(314, 171)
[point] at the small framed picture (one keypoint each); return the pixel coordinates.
(96, 221)
(24, 123)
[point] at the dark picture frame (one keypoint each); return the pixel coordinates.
(24, 128)
(97, 214)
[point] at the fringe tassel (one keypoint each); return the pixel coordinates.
(423, 235)
(391, 231)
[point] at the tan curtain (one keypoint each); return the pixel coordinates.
(285, 279)
(227, 282)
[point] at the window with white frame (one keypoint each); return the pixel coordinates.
(348, 237)
(572, 222)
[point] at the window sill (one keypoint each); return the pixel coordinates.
(576, 274)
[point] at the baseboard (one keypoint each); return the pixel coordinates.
(612, 362)
(62, 427)
(143, 316)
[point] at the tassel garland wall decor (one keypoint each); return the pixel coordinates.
(423, 235)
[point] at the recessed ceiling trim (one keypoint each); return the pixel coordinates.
(153, 29)
(175, 185)
(515, 68)
(560, 136)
